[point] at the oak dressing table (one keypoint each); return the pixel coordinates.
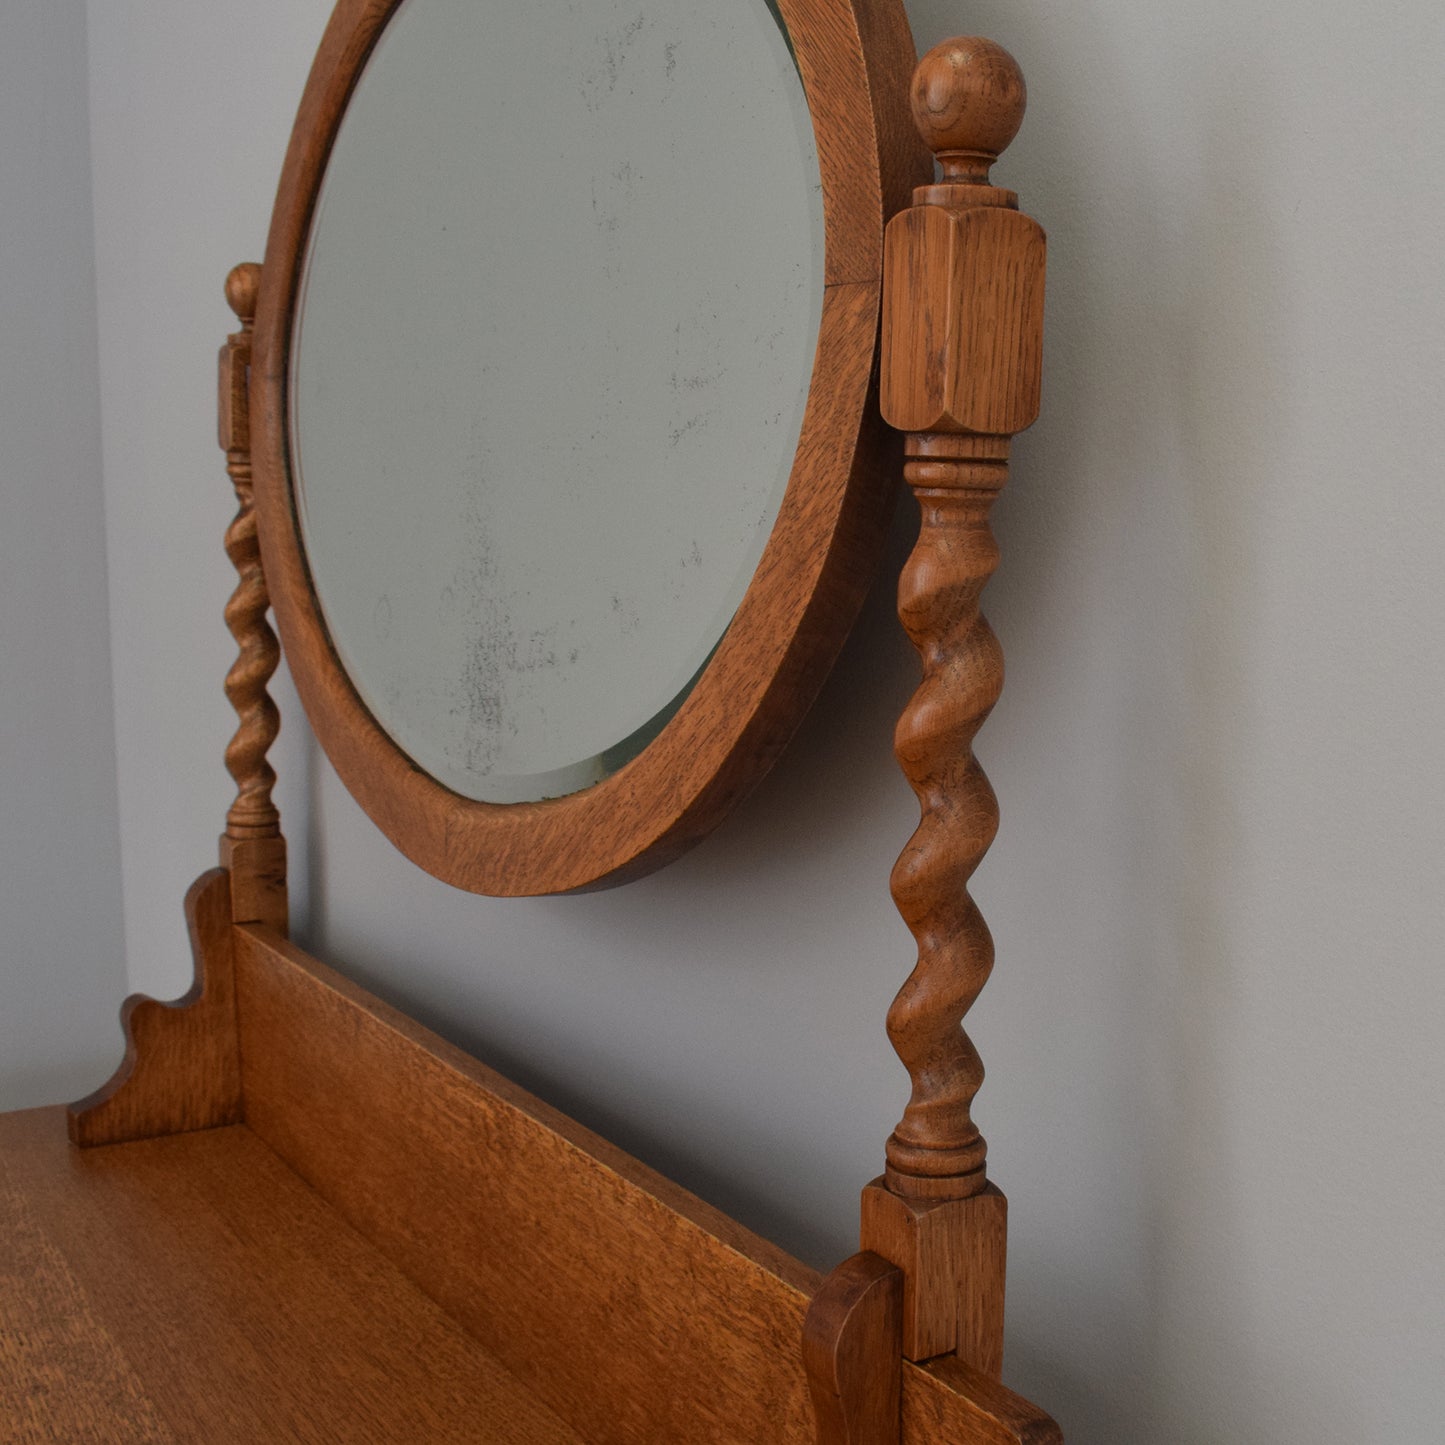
(294, 1213)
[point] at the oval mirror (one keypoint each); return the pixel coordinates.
(561, 400)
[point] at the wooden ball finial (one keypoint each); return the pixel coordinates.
(243, 285)
(968, 104)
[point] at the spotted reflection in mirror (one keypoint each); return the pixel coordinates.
(560, 301)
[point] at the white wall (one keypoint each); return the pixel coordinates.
(62, 961)
(1216, 1083)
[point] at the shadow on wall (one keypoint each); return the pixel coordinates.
(1166, 405)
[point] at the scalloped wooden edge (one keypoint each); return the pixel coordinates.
(182, 1064)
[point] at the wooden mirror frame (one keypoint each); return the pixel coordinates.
(855, 57)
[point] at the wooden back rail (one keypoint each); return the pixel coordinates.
(634, 1311)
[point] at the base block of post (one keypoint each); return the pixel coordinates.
(258, 880)
(952, 1254)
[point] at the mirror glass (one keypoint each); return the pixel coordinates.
(561, 295)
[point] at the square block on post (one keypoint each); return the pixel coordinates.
(952, 1253)
(963, 305)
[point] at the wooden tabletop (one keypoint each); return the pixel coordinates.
(193, 1288)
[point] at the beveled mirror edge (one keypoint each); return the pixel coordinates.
(856, 58)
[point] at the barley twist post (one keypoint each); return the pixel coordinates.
(252, 847)
(963, 324)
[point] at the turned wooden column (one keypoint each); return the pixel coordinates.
(252, 848)
(962, 339)
(182, 1065)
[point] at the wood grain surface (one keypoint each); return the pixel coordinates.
(192, 1289)
(962, 342)
(633, 1310)
(855, 57)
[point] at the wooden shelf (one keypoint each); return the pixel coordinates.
(194, 1288)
